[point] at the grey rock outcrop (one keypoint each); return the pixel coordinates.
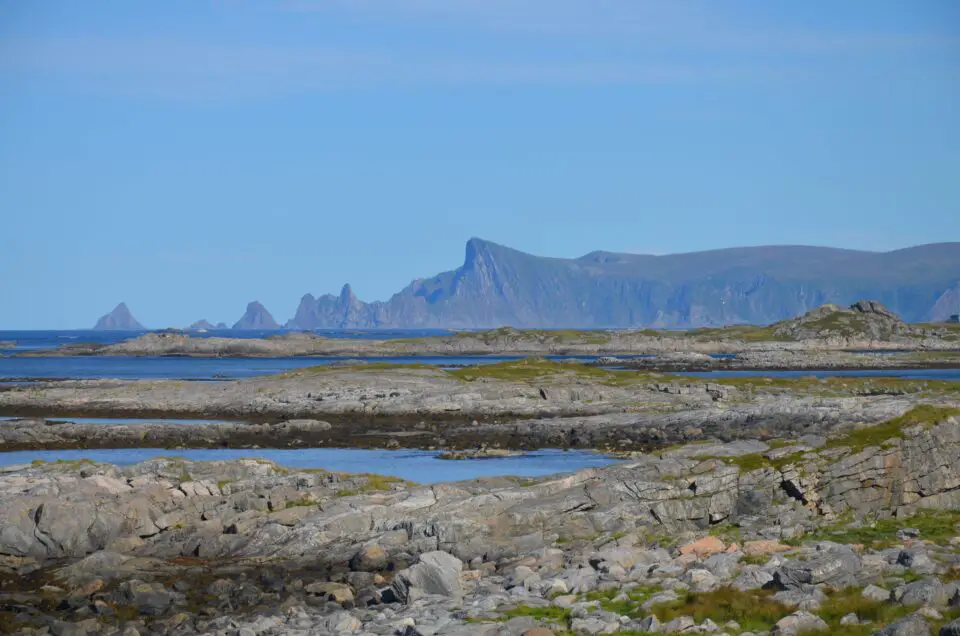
(834, 565)
(436, 572)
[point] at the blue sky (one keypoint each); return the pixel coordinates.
(188, 156)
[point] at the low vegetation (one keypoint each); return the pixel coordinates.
(752, 610)
(745, 333)
(925, 415)
(528, 369)
(372, 483)
(936, 526)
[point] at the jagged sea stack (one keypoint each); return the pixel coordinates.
(256, 317)
(120, 319)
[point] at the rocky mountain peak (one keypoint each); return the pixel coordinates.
(480, 253)
(347, 297)
(256, 317)
(119, 319)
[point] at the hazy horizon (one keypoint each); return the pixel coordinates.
(282, 318)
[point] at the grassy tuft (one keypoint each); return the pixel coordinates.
(304, 502)
(754, 610)
(526, 369)
(926, 415)
(937, 526)
(373, 483)
(551, 613)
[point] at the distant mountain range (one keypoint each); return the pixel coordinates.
(499, 286)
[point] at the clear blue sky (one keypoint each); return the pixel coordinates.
(188, 156)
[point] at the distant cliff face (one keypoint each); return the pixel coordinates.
(120, 319)
(498, 286)
(256, 317)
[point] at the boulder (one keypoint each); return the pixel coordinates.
(875, 593)
(799, 623)
(704, 547)
(435, 573)
(834, 565)
(370, 558)
(148, 598)
(927, 592)
(764, 547)
(912, 625)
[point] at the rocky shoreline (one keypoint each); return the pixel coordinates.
(517, 405)
(850, 533)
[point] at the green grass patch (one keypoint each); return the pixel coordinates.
(937, 526)
(373, 483)
(926, 415)
(746, 333)
(756, 461)
(304, 502)
(754, 610)
(539, 336)
(367, 367)
(851, 601)
(551, 613)
(631, 606)
(529, 369)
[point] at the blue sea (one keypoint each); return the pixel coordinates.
(34, 340)
(422, 467)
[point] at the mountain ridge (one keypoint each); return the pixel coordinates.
(497, 285)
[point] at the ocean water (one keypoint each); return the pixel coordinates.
(26, 370)
(36, 340)
(14, 369)
(422, 467)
